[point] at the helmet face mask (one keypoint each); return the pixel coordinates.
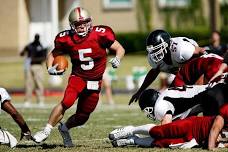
(82, 28)
(158, 45)
(80, 21)
(149, 112)
(157, 53)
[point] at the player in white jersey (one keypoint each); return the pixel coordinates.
(180, 102)
(165, 108)
(166, 54)
(5, 136)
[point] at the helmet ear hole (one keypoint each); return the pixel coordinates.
(149, 112)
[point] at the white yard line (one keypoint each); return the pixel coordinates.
(99, 107)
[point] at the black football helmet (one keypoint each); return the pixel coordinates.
(147, 101)
(157, 44)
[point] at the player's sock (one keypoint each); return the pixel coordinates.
(144, 129)
(64, 127)
(144, 142)
(48, 128)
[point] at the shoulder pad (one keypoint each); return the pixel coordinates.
(184, 51)
(102, 29)
(63, 36)
(106, 36)
(64, 33)
(4, 95)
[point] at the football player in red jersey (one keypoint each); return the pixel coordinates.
(86, 45)
(206, 65)
(187, 133)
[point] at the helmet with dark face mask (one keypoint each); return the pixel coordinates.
(80, 21)
(147, 102)
(157, 44)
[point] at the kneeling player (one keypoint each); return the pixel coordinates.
(5, 136)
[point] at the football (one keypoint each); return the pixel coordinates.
(61, 61)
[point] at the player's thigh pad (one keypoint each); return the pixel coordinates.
(87, 101)
(74, 88)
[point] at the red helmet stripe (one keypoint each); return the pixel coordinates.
(79, 13)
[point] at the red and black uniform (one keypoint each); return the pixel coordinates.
(206, 65)
(88, 57)
(181, 131)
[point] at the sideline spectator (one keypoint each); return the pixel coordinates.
(35, 56)
(165, 80)
(106, 84)
(216, 47)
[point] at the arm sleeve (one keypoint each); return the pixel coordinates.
(184, 51)
(4, 95)
(162, 108)
(60, 48)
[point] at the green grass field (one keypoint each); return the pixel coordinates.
(92, 137)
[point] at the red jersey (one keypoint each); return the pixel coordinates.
(182, 131)
(88, 54)
(206, 65)
(201, 128)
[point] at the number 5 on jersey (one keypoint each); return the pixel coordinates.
(100, 29)
(82, 52)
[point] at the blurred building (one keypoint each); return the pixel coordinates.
(21, 19)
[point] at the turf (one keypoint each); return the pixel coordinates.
(90, 137)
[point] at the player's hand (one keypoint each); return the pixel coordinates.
(53, 71)
(221, 78)
(216, 75)
(135, 97)
(26, 135)
(115, 62)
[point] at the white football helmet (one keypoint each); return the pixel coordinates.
(80, 21)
